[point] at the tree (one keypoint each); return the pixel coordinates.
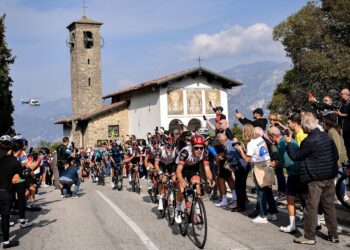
(317, 39)
(6, 105)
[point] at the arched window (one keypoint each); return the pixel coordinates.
(174, 124)
(194, 124)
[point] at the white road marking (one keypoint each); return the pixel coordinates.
(143, 237)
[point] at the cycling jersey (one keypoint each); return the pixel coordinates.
(117, 154)
(188, 159)
(151, 153)
(165, 157)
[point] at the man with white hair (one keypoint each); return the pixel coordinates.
(318, 158)
(344, 116)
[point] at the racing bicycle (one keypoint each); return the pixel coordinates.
(342, 187)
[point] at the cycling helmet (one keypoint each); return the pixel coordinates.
(5, 138)
(155, 139)
(21, 139)
(170, 141)
(197, 140)
(204, 132)
(117, 142)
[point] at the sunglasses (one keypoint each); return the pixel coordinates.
(198, 148)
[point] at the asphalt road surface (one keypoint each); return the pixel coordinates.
(102, 218)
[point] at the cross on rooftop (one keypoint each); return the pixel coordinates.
(84, 7)
(199, 61)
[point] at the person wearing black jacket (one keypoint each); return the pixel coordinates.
(258, 116)
(9, 166)
(318, 158)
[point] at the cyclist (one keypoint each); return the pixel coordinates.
(151, 151)
(190, 160)
(116, 156)
(165, 163)
(133, 158)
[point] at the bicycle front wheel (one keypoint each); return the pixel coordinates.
(119, 182)
(342, 190)
(199, 222)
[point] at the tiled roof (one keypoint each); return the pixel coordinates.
(94, 113)
(229, 82)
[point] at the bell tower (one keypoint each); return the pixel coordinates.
(85, 56)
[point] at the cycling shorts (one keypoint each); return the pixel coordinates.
(170, 168)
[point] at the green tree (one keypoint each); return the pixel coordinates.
(317, 39)
(6, 105)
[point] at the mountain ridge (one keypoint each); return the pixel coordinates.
(37, 123)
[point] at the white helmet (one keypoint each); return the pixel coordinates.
(5, 138)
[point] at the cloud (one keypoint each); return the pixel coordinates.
(236, 40)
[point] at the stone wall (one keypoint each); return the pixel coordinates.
(97, 129)
(86, 82)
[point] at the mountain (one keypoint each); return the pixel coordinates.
(260, 80)
(37, 123)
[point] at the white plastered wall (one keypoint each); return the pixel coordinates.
(144, 113)
(190, 83)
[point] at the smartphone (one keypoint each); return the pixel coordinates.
(204, 117)
(236, 111)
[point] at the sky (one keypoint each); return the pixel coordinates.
(144, 39)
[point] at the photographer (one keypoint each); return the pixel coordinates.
(258, 116)
(293, 182)
(344, 115)
(258, 154)
(323, 108)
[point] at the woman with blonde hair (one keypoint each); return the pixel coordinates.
(257, 153)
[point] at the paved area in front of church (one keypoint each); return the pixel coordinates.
(103, 218)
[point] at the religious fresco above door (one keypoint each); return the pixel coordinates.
(194, 102)
(175, 102)
(212, 96)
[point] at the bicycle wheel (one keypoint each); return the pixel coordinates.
(170, 209)
(342, 190)
(199, 222)
(137, 184)
(119, 183)
(184, 224)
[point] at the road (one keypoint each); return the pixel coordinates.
(102, 218)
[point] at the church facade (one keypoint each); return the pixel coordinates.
(180, 97)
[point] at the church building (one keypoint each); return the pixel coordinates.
(183, 96)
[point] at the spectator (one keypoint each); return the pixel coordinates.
(293, 182)
(258, 116)
(9, 166)
(318, 158)
(69, 177)
(294, 124)
(221, 127)
(334, 132)
(224, 171)
(257, 153)
(344, 114)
